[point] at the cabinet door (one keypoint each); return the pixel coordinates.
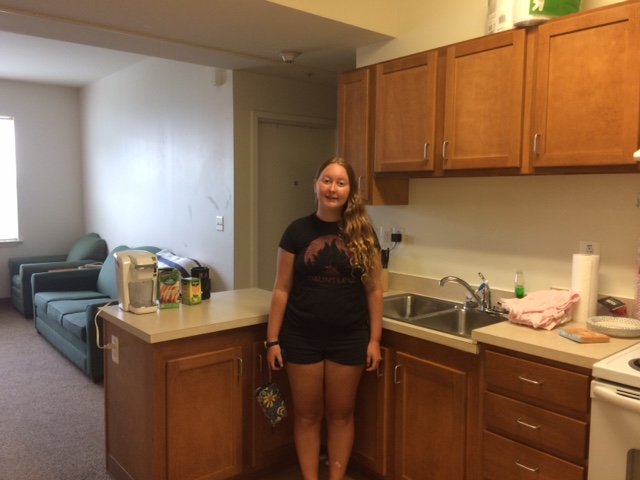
(430, 420)
(371, 447)
(484, 102)
(405, 115)
(355, 139)
(271, 445)
(587, 95)
(204, 415)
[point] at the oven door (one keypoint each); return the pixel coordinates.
(614, 443)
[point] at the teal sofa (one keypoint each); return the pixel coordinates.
(65, 306)
(89, 248)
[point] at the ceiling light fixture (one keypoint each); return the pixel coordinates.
(289, 56)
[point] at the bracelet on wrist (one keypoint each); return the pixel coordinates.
(268, 344)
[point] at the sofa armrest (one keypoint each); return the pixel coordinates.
(28, 269)
(65, 280)
(15, 262)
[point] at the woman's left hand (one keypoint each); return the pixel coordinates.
(374, 356)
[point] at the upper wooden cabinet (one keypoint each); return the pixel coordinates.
(562, 97)
(484, 102)
(355, 139)
(586, 103)
(405, 113)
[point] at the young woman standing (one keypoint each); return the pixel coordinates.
(326, 316)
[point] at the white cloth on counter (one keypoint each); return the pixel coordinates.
(542, 309)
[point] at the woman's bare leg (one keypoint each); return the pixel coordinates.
(307, 391)
(341, 386)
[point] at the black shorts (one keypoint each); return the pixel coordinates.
(344, 347)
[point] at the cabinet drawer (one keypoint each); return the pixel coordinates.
(554, 433)
(503, 458)
(541, 384)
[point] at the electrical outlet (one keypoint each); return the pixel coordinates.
(589, 248)
(115, 349)
(396, 235)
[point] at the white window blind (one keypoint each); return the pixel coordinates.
(8, 181)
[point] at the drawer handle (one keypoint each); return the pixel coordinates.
(528, 425)
(525, 467)
(528, 380)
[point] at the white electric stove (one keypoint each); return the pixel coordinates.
(614, 442)
(622, 367)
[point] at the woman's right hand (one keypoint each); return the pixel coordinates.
(274, 358)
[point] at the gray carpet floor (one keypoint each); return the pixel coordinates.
(51, 415)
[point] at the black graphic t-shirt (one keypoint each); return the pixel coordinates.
(327, 292)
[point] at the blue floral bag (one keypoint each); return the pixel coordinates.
(271, 402)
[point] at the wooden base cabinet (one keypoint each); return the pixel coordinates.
(430, 391)
(372, 443)
(536, 418)
(186, 409)
(204, 415)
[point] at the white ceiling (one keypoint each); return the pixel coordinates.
(74, 42)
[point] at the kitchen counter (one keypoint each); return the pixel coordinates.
(246, 307)
(549, 344)
(223, 311)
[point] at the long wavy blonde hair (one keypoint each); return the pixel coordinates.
(355, 227)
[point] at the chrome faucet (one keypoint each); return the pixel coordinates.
(481, 296)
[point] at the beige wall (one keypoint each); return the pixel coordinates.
(426, 24)
(264, 95)
(460, 226)
(158, 158)
(50, 206)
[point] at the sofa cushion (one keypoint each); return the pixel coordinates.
(89, 246)
(76, 323)
(42, 299)
(57, 309)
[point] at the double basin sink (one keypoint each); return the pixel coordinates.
(435, 314)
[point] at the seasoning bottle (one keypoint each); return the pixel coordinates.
(519, 284)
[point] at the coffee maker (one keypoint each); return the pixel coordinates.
(137, 277)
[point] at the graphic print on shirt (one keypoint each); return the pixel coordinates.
(327, 261)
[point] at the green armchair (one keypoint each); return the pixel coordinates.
(89, 248)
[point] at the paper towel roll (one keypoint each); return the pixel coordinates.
(584, 280)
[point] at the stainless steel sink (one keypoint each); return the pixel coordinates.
(408, 305)
(457, 321)
(435, 314)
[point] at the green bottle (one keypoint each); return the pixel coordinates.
(519, 284)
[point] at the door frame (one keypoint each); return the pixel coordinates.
(258, 116)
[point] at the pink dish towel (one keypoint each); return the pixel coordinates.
(542, 309)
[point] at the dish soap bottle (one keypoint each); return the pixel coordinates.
(519, 284)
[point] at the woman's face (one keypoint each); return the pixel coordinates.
(332, 187)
